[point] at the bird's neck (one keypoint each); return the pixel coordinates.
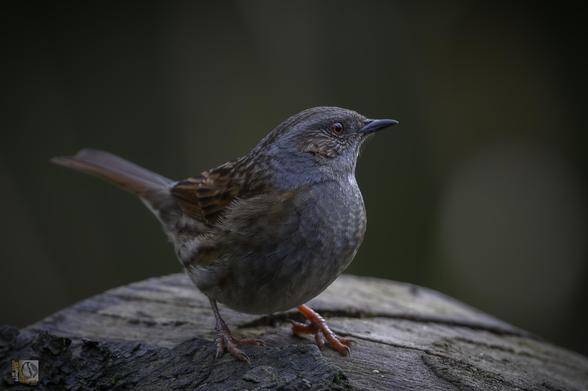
(291, 171)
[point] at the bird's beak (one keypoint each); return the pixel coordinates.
(373, 125)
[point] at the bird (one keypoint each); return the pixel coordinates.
(265, 232)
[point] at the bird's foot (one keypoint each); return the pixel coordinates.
(225, 342)
(318, 327)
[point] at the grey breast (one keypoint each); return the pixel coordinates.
(279, 251)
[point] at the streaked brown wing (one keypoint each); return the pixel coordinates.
(206, 196)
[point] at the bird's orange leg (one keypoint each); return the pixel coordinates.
(318, 327)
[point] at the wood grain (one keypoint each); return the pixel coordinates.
(157, 334)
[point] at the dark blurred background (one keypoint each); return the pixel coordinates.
(479, 193)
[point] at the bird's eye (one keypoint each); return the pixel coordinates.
(337, 128)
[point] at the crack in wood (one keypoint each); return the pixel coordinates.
(274, 319)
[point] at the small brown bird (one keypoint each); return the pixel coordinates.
(268, 231)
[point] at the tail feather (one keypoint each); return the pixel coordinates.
(117, 170)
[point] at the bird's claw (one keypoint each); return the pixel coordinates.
(322, 333)
(225, 342)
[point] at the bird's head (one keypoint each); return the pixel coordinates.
(324, 139)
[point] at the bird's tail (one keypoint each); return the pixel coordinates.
(151, 187)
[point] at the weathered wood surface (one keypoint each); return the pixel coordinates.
(157, 334)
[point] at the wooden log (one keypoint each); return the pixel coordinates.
(157, 334)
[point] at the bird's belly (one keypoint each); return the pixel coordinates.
(269, 284)
(297, 267)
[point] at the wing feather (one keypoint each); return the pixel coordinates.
(206, 197)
